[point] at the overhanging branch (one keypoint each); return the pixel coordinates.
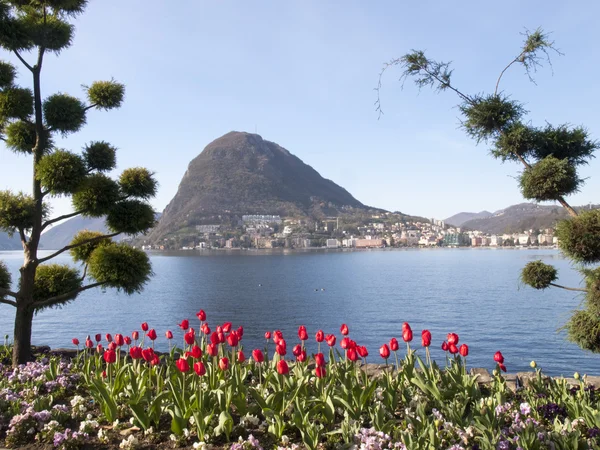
(59, 218)
(79, 244)
(8, 302)
(568, 288)
(25, 63)
(8, 292)
(64, 297)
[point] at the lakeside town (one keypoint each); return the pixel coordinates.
(378, 231)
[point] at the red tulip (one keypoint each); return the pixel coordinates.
(127, 340)
(452, 338)
(148, 354)
(345, 343)
(320, 372)
(362, 351)
(344, 329)
(224, 363)
(190, 337)
(394, 344)
(184, 325)
(296, 350)
(99, 348)
(221, 337)
(464, 350)
(169, 334)
(302, 356)
(135, 335)
(199, 368)
(258, 355)
(227, 327)
(352, 355)
(282, 367)
(98, 337)
(110, 356)
(320, 336)
(425, 338)
(104, 374)
(330, 339)
(302, 334)
(281, 349)
(240, 332)
(89, 343)
(277, 336)
(384, 351)
(119, 340)
(212, 350)
(453, 349)
(407, 335)
(108, 338)
(445, 346)
(75, 341)
(405, 326)
(112, 346)
(155, 361)
(182, 365)
(232, 339)
(267, 335)
(241, 357)
(498, 357)
(205, 329)
(319, 360)
(151, 334)
(201, 315)
(145, 327)
(502, 367)
(135, 352)
(196, 352)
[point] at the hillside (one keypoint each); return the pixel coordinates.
(10, 243)
(523, 216)
(458, 219)
(62, 234)
(240, 173)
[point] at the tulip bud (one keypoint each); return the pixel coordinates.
(384, 351)
(319, 360)
(227, 327)
(201, 315)
(533, 364)
(344, 329)
(576, 375)
(75, 342)
(184, 325)
(320, 372)
(145, 327)
(320, 336)
(463, 350)
(258, 355)
(282, 367)
(135, 335)
(169, 334)
(267, 335)
(241, 357)
(224, 364)
(199, 368)
(394, 344)
(490, 402)
(498, 357)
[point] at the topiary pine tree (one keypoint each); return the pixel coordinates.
(550, 156)
(28, 121)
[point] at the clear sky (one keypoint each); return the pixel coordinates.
(302, 73)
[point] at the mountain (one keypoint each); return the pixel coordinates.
(10, 243)
(62, 234)
(524, 216)
(240, 173)
(458, 219)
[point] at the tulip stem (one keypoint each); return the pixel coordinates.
(397, 365)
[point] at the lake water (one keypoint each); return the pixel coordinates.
(473, 292)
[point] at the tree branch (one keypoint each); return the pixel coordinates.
(25, 63)
(8, 302)
(90, 107)
(23, 237)
(79, 244)
(63, 217)
(63, 297)
(8, 292)
(504, 70)
(568, 288)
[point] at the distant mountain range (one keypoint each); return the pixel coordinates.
(515, 218)
(10, 243)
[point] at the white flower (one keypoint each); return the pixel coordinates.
(200, 445)
(285, 440)
(186, 433)
(131, 421)
(173, 438)
(149, 431)
(89, 417)
(192, 420)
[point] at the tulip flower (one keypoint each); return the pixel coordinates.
(384, 351)
(277, 336)
(445, 346)
(344, 329)
(155, 361)
(425, 338)
(219, 329)
(232, 339)
(241, 357)
(258, 355)
(201, 315)
(182, 365)
(502, 367)
(267, 335)
(224, 364)
(320, 336)
(282, 367)
(330, 339)
(99, 348)
(145, 327)
(98, 337)
(184, 325)
(302, 356)
(136, 352)
(89, 343)
(103, 375)
(394, 344)
(405, 325)
(199, 368)
(452, 338)
(407, 335)
(75, 342)
(119, 340)
(221, 337)
(190, 337)
(205, 329)
(227, 327)
(151, 334)
(212, 350)
(108, 338)
(453, 349)
(302, 334)
(148, 354)
(319, 360)
(281, 348)
(498, 357)
(196, 352)
(352, 354)
(112, 346)
(127, 340)
(169, 334)
(296, 350)
(362, 351)
(345, 343)
(464, 350)
(135, 335)
(240, 332)
(320, 372)
(110, 356)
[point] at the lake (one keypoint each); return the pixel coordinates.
(473, 292)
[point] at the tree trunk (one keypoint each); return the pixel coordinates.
(22, 337)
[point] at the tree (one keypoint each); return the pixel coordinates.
(28, 122)
(549, 155)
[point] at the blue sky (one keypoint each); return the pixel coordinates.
(302, 74)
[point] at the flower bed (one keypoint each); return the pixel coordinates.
(210, 394)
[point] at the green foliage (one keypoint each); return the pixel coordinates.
(68, 7)
(536, 42)
(579, 237)
(48, 31)
(64, 113)
(549, 179)
(83, 252)
(5, 277)
(16, 103)
(138, 182)
(488, 115)
(130, 217)
(20, 136)
(55, 279)
(100, 156)
(565, 143)
(583, 329)
(96, 195)
(426, 72)
(538, 275)
(8, 73)
(17, 211)
(121, 267)
(61, 172)
(14, 34)
(106, 94)
(516, 140)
